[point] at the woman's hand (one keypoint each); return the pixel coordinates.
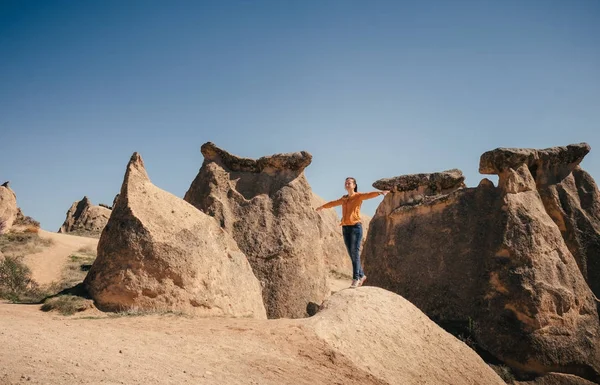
(319, 208)
(384, 192)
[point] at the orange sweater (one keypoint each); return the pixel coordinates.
(351, 206)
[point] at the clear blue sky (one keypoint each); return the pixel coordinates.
(372, 89)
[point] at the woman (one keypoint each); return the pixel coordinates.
(351, 226)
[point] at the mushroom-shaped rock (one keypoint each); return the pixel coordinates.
(267, 206)
(433, 183)
(569, 194)
(159, 252)
(430, 184)
(296, 161)
(495, 258)
(84, 218)
(493, 162)
(416, 189)
(391, 338)
(8, 208)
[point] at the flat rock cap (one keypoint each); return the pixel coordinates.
(295, 161)
(436, 181)
(493, 162)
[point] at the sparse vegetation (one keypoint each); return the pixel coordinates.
(23, 243)
(87, 250)
(71, 297)
(87, 233)
(26, 221)
(76, 269)
(67, 304)
(16, 283)
(134, 311)
(504, 372)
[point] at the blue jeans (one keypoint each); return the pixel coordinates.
(352, 237)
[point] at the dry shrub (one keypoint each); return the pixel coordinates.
(26, 221)
(23, 243)
(31, 229)
(16, 283)
(135, 311)
(504, 372)
(67, 304)
(87, 250)
(76, 269)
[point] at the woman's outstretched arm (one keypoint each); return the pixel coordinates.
(331, 204)
(372, 194)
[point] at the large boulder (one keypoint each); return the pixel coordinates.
(8, 207)
(268, 207)
(384, 334)
(491, 260)
(157, 252)
(85, 219)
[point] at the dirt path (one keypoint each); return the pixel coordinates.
(47, 265)
(45, 348)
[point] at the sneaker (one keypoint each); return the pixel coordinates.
(354, 284)
(362, 280)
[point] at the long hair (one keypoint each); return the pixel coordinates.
(355, 184)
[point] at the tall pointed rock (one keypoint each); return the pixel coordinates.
(159, 252)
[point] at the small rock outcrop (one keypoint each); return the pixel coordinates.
(268, 207)
(157, 252)
(495, 262)
(85, 219)
(8, 207)
(384, 334)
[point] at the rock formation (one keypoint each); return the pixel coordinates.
(8, 207)
(268, 207)
(157, 252)
(85, 219)
(495, 260)
(569, 194)
(384, 334)
(556, 379)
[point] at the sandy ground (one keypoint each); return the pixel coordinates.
(95, 348)
(47, 265)
(45, 348)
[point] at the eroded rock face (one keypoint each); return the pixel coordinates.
(495, 261)
(8, 207)
(267, 206)
(157, 252)
(569, 194)
(85, 219)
